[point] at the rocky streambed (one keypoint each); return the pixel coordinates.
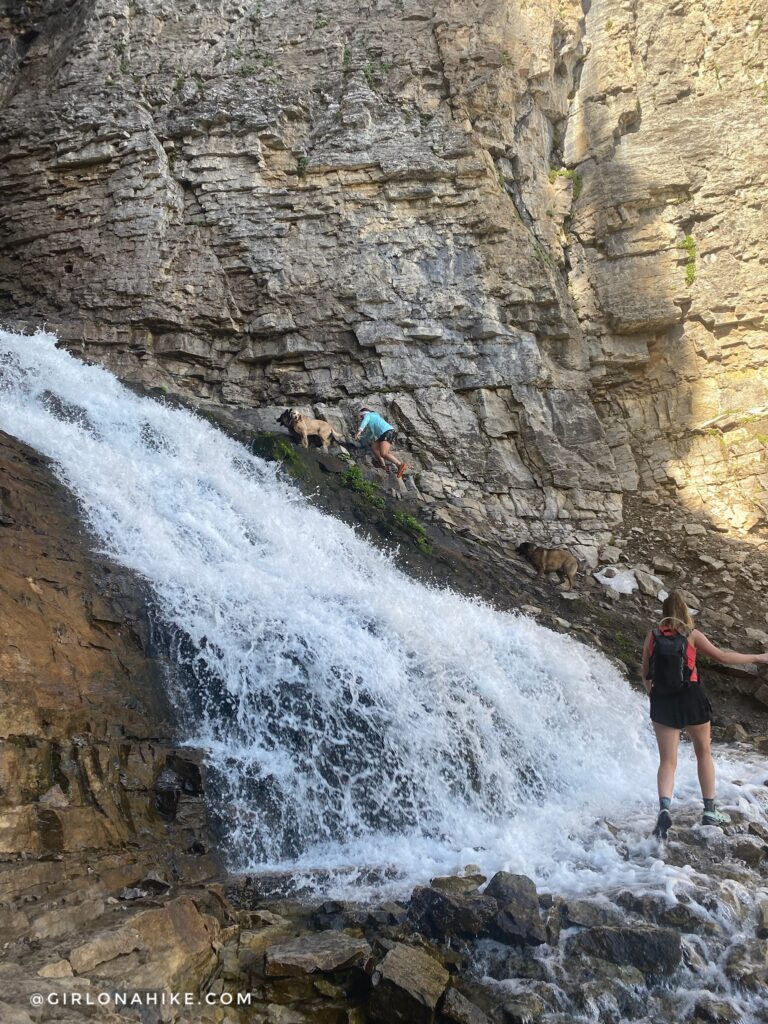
(460, 950)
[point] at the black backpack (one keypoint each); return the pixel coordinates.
(669, 664)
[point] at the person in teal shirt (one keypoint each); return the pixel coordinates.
(375, 428)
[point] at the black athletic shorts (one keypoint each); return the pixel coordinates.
(691, 707)
(388, 435)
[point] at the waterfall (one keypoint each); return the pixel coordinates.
(350, 715)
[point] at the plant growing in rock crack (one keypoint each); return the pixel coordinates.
(302, 162)
(370, 77)
(284, 453)
(346, 58)
(413, 526)
(573, 176)
(353, 479)
(689, 245)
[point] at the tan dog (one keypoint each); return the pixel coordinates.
(302, 428)
(546, 560)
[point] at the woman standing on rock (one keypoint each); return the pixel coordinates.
(678, 701)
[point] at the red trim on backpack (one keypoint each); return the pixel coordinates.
(690, 654)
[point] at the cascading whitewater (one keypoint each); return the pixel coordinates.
(350, 715)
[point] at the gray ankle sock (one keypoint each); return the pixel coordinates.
(709, 805)
(664, 802)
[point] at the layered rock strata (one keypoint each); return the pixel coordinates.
(529, 235)
(97, 804)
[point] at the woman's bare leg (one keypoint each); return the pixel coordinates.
(385, 452)
(701, 738)
(377, 456)
(668, 740)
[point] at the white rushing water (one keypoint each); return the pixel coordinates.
(351, 716)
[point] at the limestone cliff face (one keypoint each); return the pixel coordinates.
(667, 244)
(529, 234)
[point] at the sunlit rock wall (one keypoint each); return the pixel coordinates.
(468, 214)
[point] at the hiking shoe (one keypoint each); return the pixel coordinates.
(715, 818)
(663, 824)
(401, 470)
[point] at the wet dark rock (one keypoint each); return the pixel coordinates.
(750, 849)
(716, 1011)
(589, 914)
(518, 920)
(553, 924)
(762, 920)
(576, 969)
(459, 1010)
(651, 950)
(337, 914)
(609, 1001)
(151, 885)
(735, 733)
(323, 951)
(388, 913)
(519, 962)
(407, 986)
(685, 915)
(440, 914)
(525, 1008)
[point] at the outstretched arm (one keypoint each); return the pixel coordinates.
(705, 646)
(363, 426)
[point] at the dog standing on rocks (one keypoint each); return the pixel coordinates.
(303, 427)
(546, 560)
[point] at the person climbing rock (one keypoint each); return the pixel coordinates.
(678, 701)
(382, 435)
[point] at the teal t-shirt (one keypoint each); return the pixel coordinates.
(374, 425)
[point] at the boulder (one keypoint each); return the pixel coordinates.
(650, 950)
(407, 986)
(649, 584)
(458, 884)
(56, 969)
(459, 1010)
(518, 921)
(664, 565)
(442, 915)
(758, 636)
(588, 914)
(522, 1009)
(735, 733)
(750, 849)
(747, 964)
(322, 951)
(761, 694)
(762, 920)
(102, 947)
(716, 1011)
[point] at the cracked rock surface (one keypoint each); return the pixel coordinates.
(531, 236)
